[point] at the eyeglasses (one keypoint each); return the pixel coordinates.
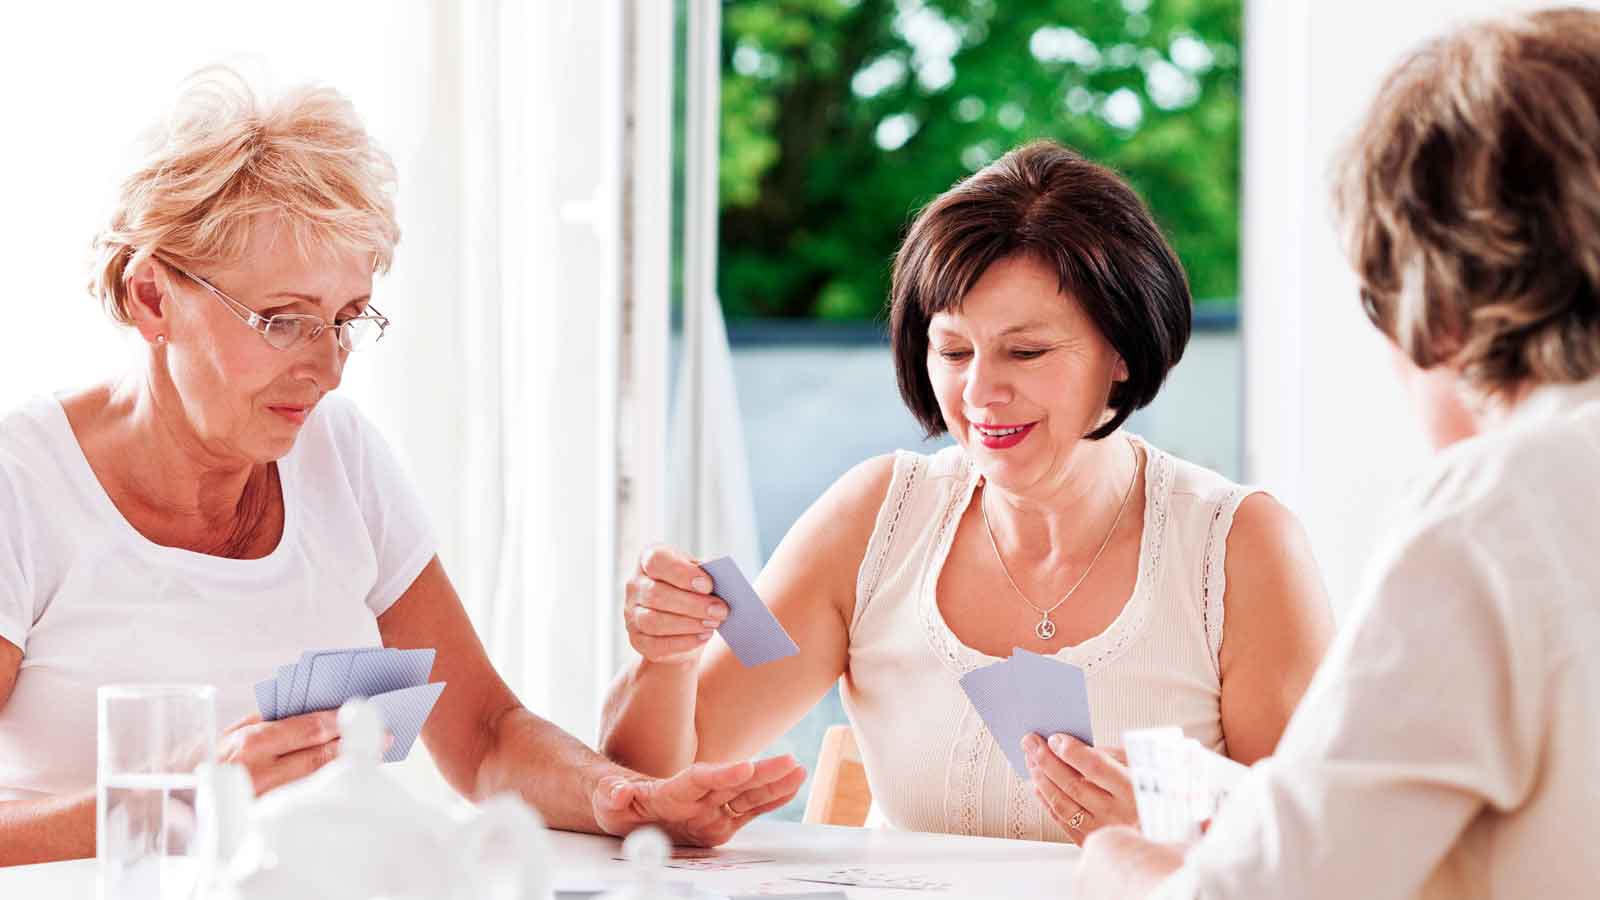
(291, 331)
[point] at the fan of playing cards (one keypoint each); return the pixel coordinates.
(1029, 694)
(1177, 782)
(395, 682)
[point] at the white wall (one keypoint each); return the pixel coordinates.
(1326, 427)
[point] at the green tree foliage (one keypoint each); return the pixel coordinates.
(842, 117)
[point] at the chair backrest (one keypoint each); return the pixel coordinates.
(839, 793)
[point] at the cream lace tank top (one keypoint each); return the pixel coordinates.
(931, 764)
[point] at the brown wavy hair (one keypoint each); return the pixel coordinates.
(1470, 198)
(1078, 218)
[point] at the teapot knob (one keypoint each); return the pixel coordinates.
(360, 731)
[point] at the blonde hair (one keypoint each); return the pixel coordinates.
(224, 158)
(1471, 201)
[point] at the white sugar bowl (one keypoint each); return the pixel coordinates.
(350, 832)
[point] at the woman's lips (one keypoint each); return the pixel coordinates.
(1002, 437)
(295, 414)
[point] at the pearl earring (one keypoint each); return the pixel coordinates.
(161, 339)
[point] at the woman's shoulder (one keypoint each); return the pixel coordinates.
(35, 441)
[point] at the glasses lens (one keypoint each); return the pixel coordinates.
(289, 332)
(358, 334)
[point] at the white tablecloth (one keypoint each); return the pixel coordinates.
(973, 867)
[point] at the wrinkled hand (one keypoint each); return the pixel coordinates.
(1083, 787)
(276, 753)
(669, 609)
(703, 805)
(1118, 864)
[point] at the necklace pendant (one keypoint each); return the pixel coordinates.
(1046, 629)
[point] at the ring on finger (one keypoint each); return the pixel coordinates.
(1076, 821)
(732, 813)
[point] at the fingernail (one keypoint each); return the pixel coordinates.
(709, 623)
(1058, 743)
(705, 636)
(720, 610)
(702, 584)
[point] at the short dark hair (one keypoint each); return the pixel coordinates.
(1073, 215)
(1470, 197)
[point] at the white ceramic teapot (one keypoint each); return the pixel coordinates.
(350, 832)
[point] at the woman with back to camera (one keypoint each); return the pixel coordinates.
(1446, 747)
(217, 509)
(1035, 306)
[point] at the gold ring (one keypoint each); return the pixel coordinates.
(728, 808)
(1077, 819)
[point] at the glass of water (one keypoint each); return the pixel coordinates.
(152, 739)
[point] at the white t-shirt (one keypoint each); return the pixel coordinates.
(91, 601)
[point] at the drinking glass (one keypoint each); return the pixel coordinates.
(152, 738)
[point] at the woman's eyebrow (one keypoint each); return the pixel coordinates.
(1035, 325)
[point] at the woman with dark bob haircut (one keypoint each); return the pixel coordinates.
(1446, 747)
(1035, 306)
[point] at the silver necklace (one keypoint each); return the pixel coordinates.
(1046, 629)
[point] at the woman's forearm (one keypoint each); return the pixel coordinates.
(538, 760)
(648, 720)
(46, 830)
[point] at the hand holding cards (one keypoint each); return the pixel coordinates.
(1029, 694)
(394, 681)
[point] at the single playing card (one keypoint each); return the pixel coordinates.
(808, 895)
(372, 674)
(860, 876)
(283, 679)
(265, 700)
(403, 712)
(992, 690)
(302, 679)
(1161, 784)
(325, 688)
(751, 631)
(712, 859)
(1053, 697)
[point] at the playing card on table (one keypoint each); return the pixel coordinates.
(858, 876)
(712, 859)
(752, 633)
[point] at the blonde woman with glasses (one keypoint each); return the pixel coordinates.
(1446, 747)
(219, 509)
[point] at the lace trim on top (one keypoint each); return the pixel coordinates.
(1213, 578)
(1096, 651)
(907, 471)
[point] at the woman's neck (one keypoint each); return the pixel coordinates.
(1067, 521)
(163, 478)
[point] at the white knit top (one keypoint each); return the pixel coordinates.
(931, 764)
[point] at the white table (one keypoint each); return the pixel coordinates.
(975, 867)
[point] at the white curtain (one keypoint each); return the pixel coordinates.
(709, 498)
